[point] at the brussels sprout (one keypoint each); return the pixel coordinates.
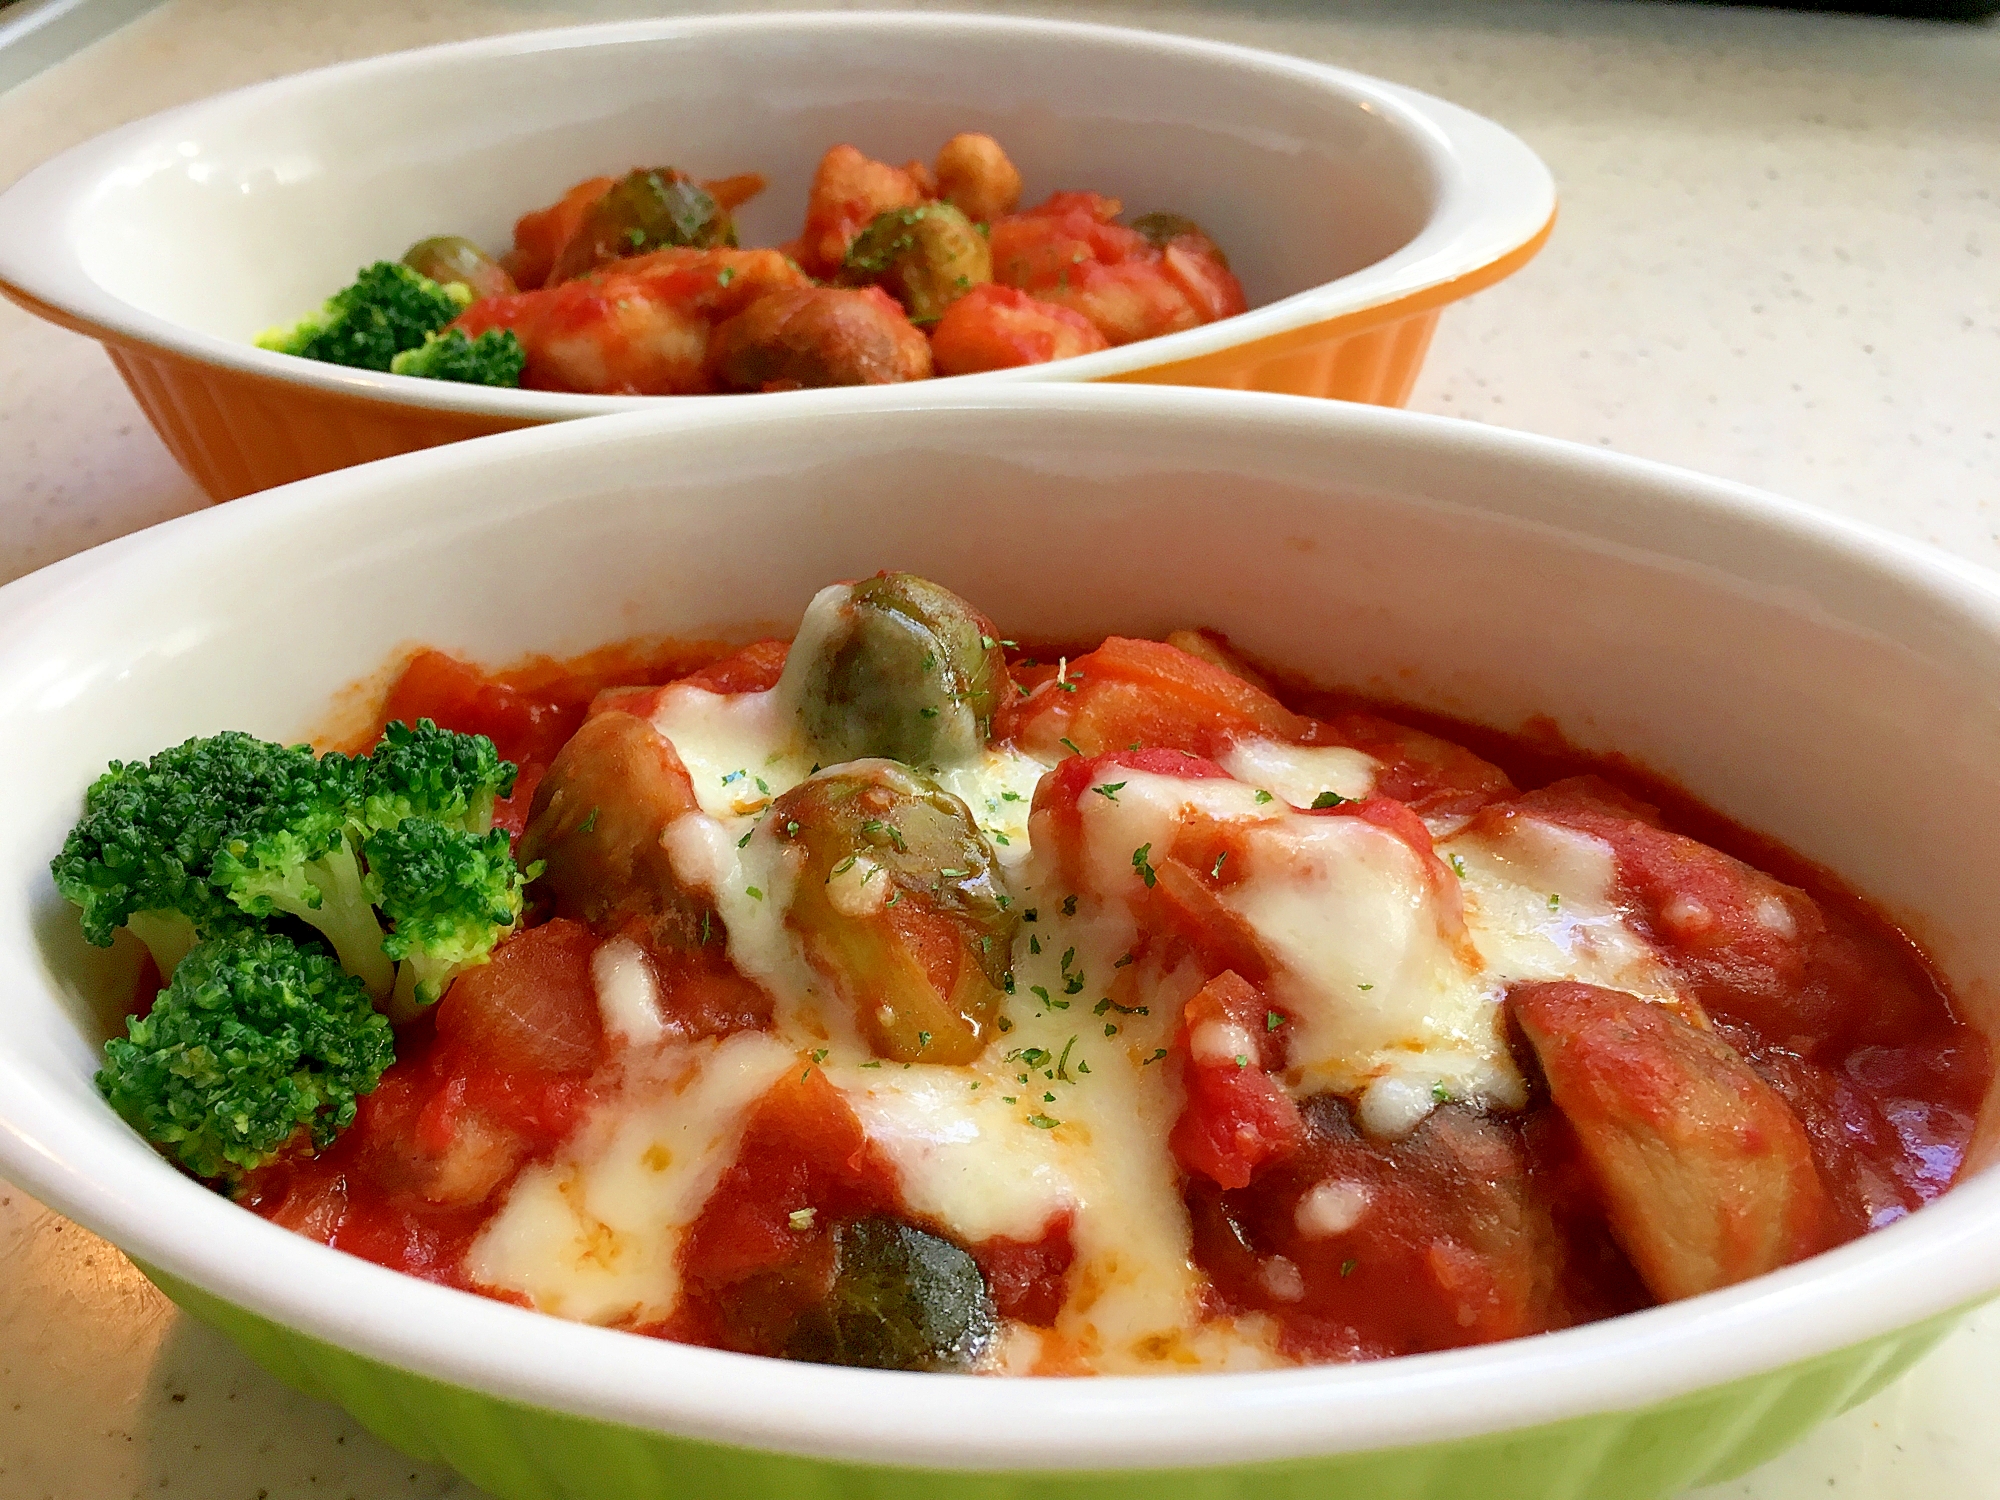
(895, 666)
(926, 257)
(450, 259)
(900, 906)
(596, 825)
(647, 209)
(901, 1300)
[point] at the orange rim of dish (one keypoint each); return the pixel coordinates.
(1191, 371)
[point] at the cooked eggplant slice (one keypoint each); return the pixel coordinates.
(1707, 1178)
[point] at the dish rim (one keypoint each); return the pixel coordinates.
(1495, 206)
(1934, 1262)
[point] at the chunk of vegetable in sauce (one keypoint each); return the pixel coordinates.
(899, 903)
(450, 259)
(596, 826)
(646, 209)
(902, 1299)
(926, 257)
(895, 666)
(1707, 1177)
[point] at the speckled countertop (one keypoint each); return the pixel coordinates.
(1778, 259)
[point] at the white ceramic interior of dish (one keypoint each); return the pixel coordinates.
(1824, 683)
(199, 227)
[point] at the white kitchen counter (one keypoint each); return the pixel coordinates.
(1778, 259)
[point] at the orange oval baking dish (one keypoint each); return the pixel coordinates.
(1353, 210)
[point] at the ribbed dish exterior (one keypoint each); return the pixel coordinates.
(236, 434)
(519, 1452)
(1376, 365)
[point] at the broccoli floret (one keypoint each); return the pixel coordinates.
(141, 855)
(224, 834)
(257, 1044)
(298, 857)
(388, 309)
(451, 896)
(494, 358)
(428, 772)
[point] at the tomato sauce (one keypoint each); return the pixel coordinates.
(1477, 1227)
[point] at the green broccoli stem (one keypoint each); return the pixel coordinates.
(415, 992)
(479, 811)
(167, 935)
(345, 917)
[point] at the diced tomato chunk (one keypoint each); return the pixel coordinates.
(1132, 694)
(1237, 1117)
(754, 669)
(532, 1007)
(1056, 813)
(1430, 775)
(1061, 790)
(1028, 1278)
(524, 727)
(996, 327)
(1746, 945)
(802, 1149)
(540, 235)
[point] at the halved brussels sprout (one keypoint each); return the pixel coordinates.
(895, 666)
(900, 906)
(449, 258)
(647, 209)
(596, 826)
(901, 1299)
(925, 257)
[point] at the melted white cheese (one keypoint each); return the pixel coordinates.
(997, 790)
(1541, 902)
(740, 749)
(1125, 831)
(1392, 971)
(627, 995)
(595, 1234)
(1370, 960)
(1300, 773)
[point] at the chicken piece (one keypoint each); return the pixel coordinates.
(818, 336)
(1071, 252)
(974, 175)
(998, 327)
(1707, 1178)
(849, 190)
(641, 327)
